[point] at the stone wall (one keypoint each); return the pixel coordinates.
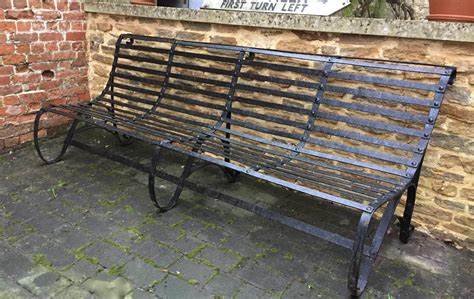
(445, 205)
(42, 61)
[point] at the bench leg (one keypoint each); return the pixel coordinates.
(69, 136)
(357, 281)
(179, 188)
(363, 260)
(406, 228)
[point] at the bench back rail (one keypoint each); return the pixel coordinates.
(353, 128)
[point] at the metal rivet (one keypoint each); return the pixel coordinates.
(420, 149)
(440, 88)
(426, 134)
(414, 163)
(436, 104)
(408, 175)
(313, 113)
(229, 97)
(430, 119)
(308, 126)
(321, 86)
(325, 73)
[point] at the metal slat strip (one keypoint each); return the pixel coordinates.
(376, 110)
(384, 81)
(368, 93)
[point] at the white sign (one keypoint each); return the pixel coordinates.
(309, 7)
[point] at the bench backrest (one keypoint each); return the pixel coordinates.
(366, 117)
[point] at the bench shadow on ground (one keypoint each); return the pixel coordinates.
(86, 224)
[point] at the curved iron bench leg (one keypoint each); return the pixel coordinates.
(65, 144)
(187, 171)
(356, 280)
(406, 228)
(362, 262)
(151, 182)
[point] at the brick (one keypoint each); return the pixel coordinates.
(51, 36)
(42, 66)
(7, 26)
(75, 36)
(26, 137)
(22, 67)
(26, 78)
(51, 46)
(12, 141)
(11, 100)
(23, 26)
(3, 38)
(35, 3)
(51, 84)
(6, 49)
(25, 37)
(32, 97)
(78, 46)
(23, 48)
(19, 14)
(6, 70)
(47, 15)
(44, 57)
(14, 110)
(64, 46)
(20, 4)
(9, 90)
(77, 25)
(5, 4)
(73, 15)
(74, 6)
(38, 26)
(14, 59)
(4, 80)
(37, 48)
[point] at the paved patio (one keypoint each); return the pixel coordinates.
(85, 228)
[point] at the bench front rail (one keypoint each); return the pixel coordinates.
(349, 131)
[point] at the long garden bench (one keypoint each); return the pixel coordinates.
(348, 131)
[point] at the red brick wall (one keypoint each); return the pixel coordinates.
(42, 61)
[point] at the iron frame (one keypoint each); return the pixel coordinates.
(363, 255)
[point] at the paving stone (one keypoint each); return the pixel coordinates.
(223, 286)
(81, 270)
(173, 287)
(262, 276)
(43, 282)
(71, 236)
(107, 255)
(59, 256)
(159, 254)
(219, 258)
(187, 244)
(74, 292)
(299, 289)
(9, 289)
(142, 274)
(192, 271)
(248, 291)
(140, 294)
(160, 233)
(15, 264)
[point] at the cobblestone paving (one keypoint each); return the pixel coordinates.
(85, 228)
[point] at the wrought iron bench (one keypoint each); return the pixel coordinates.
(349, 131)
